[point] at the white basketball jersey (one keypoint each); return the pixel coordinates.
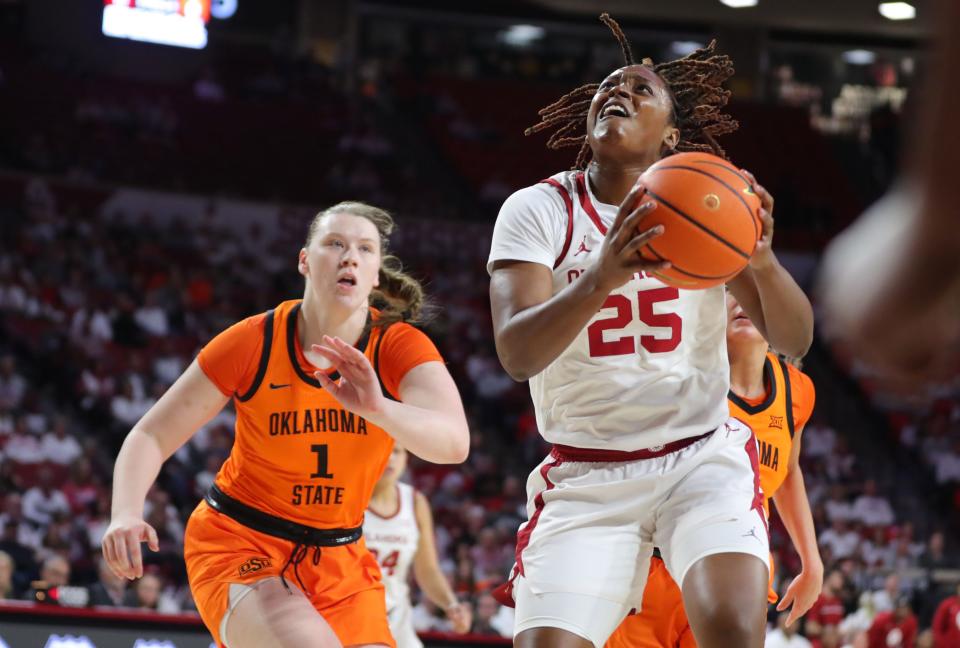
(651, 366)
(393, 541)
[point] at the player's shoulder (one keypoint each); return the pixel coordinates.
(798, 379)
(402, 344)
(551, 193)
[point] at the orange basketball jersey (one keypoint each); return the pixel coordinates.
(298, 454)
(774, 418)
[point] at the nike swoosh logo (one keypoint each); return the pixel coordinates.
(273, 386)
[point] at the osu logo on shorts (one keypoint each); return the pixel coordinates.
(254, 565)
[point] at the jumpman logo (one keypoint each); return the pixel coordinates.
(752, 534)
(583, 246)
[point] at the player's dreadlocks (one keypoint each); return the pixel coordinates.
(694, 81)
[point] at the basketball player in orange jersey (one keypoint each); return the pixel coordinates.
(322, 387)
(776, 400)
(399, 533)
(629, 377)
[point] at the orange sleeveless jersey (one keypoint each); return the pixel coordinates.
(297, 453)
(774, 418)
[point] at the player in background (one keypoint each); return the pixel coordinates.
(914, 230)
(776, 400)
(629, 377)
(399, 532)
(322, 387)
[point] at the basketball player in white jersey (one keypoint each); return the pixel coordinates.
(399, 532)
(629, 377)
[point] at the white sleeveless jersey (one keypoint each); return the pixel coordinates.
(393, 541)
(651, 366)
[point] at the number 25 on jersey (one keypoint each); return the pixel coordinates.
(627, 344)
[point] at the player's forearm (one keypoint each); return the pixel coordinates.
(436, 436)
(787, 314)
(137, 466)
(533, 338)
(794, 509)
(434, 584)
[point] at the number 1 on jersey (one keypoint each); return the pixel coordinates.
(321, 452)
(627, 344)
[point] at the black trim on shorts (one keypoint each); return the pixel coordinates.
(292, 348)
(789, 395)
(264, 359)
(771, 396)
(279, 527)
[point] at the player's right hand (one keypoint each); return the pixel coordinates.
(619, 256)
(121, 546)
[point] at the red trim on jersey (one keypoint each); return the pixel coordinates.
(569, 453)
(757, 503)
(569, 203)
(395, 513)
(588, 207)
(504, 593)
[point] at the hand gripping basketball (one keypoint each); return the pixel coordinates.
(619, 258)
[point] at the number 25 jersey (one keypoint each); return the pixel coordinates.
(298, 454)
(650, 367)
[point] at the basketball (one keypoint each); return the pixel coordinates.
(710, 215)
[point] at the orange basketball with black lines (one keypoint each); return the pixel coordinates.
(710, 215)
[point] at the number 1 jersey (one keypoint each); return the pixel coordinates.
(298, 454)
(650, 367)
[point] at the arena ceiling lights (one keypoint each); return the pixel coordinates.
(739, 4)
(897, 10)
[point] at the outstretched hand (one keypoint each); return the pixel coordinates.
(619, 256)
(358, 388)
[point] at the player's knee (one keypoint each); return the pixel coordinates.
(728, 623)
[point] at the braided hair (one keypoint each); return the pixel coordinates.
(695, 84)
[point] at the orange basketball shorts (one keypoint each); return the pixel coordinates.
(661, 621)
(344, 587)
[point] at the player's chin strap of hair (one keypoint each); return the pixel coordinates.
(303, 537)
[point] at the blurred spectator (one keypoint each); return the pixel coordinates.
(895, 628)
(42, 502)
(486, 619)
(148, 593)
(6, 576)
(55, 571)
(24, 445)
(872, 509)
(935, 556)
(12, 385)
(828, 609)
(837, 506)
(110, 589)
(81, 488)
(784, 636)
(885, 599)
(58, 445)
(946, 622)
(126, 407)
(840, 539)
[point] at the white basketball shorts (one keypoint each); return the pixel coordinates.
(594, 519)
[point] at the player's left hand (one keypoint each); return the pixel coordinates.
(461, 617)
(358, 389)
(802, 594)
(763, 254)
